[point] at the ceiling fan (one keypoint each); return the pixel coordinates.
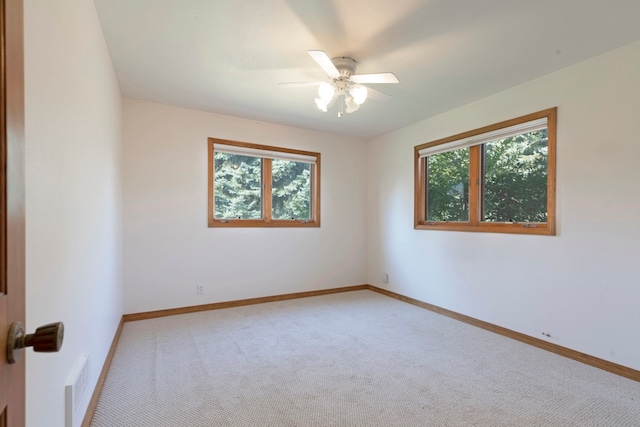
(343, 85)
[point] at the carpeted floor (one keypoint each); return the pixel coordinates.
(349, 359)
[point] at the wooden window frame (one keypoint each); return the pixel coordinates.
(476, 183)
(266, 220)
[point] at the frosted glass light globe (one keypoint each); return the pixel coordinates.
(326, 91)
(359, 94)
(351, 105)
(321, 104)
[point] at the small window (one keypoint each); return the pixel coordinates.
(499, 178)
(253, 185)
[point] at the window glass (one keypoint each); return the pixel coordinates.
(238, 186)
(291, 190)
(515, 179)
(448, 186)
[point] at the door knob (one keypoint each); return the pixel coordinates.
(46, 339)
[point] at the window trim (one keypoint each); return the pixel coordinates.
(475, 181)
(264, 151)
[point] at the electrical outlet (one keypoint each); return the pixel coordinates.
(385, 278)
(199, 289)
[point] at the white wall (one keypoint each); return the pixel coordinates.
(168, 247)
(581, 286)
(73, 195)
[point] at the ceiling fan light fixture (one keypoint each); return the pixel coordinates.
(343, 87)
(359, 94)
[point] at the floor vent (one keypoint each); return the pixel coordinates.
(76, 391)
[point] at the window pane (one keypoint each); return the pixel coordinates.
(291, 190)
(515, 179)
(447, 192)
(237, 186)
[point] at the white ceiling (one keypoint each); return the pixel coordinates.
(228, 56)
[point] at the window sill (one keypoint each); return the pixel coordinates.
(240, 223)
(510, 228)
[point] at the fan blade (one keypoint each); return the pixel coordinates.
(375, 78)
(376, 94)
(300, 84)
(324, 61)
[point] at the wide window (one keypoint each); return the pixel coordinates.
(253, 185)
(500, 178)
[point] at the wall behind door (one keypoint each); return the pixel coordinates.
(73, 195)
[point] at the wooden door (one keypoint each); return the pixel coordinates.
(12, 232)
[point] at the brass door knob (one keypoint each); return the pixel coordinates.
(46, 339)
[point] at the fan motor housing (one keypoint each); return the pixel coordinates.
(346, 65)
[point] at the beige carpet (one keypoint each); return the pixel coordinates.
(350, 359)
